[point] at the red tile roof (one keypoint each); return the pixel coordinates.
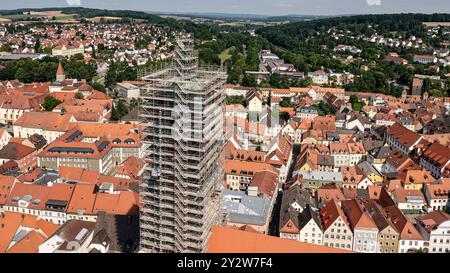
(266, 181)
(357, 215)
(51, 121)
(403, 135)
(330, 213)
(229, 240)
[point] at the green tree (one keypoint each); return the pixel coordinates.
(119, 110)
(98, 86)
(119, 72)
(235, 100)
(275, 81)
(286, 102)
(249, 81)
(21, 75)
(37, 45)
(50, 103)
(284, 116)
(357, 106)
(79, 96)
(353, 98)
(94, 53)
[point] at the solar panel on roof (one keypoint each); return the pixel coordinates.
(103, 145)
(56, 202)
(71, 150)
(73, 136)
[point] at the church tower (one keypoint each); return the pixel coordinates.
(60, 76)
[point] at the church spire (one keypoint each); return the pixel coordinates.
(60, 76)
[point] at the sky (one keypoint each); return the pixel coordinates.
(263, 7)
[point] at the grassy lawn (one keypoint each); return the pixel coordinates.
(96, 78)
(225, 55)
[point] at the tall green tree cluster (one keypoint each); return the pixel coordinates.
(118, 72)
(27, 70)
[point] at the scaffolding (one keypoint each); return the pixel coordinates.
(182, 113)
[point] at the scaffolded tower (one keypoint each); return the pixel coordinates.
(182, 112)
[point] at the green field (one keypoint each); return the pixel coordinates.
(66, 17)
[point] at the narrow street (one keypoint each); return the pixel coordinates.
(275, 217)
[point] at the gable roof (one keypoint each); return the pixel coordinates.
(330, 213)
(266, 181)
(52, 121)
(378, 215)
(403, 225)
(357, 215)
(329, 192)
(432, 220)
(15, 151)
(403, 135)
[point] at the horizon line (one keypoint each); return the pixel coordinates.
(225, 12)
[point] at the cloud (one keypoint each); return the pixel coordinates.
(285, 5)
(73, 2)
(374, 2)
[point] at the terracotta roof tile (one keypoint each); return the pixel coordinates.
(229, 240)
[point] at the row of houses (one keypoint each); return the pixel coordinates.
(363, 220)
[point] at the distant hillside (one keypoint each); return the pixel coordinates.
(292, 35)
(214, 15)
(294, 18)
(238, 16)
(90, 13)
